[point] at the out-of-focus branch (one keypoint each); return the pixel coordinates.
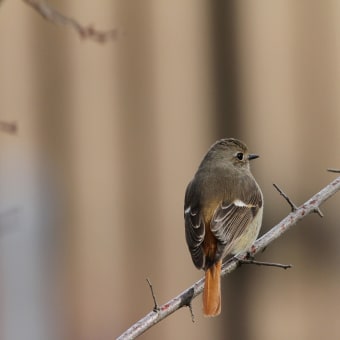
(85, 32)
(334, 170)
(185, 298)
(9, 127)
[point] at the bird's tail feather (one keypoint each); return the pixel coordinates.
(212, 290)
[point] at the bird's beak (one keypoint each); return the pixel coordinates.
(252, 156)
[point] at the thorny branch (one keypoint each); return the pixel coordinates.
(185, 298)
(85, 32)
(291, 203)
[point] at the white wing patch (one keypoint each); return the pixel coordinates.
(239, 203)
(187, 210)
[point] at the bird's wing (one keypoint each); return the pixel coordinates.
(194, 228)
(231, 219)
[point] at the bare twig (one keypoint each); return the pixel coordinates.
(85, 32)
(290, 202)
(185, 298)
(155, 308)
(191, 312)
(334, 170)
(9, 127)
(268, 264)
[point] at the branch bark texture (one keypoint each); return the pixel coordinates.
(185, 298)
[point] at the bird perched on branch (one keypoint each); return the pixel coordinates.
(223, 213)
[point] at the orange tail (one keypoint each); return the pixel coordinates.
(212, 290)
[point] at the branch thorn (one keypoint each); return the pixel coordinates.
(156, 307)
(268, 264)
(334, 170)
(290, 202)
(319, 212)
(191, 312)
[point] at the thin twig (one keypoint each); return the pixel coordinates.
(191, 312)
(334, 170)
(155, 308)
(85, 32)
(290, 202)
(185, 298)
(268, 264)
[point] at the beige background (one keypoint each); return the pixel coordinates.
(92, 186)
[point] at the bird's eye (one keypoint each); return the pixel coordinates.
(239, 155)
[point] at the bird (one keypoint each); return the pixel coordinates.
(223, 210)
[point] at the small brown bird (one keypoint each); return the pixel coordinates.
(223, 213)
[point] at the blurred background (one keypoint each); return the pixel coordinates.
(109, 135)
